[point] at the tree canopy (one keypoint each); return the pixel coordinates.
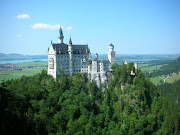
(75, 105)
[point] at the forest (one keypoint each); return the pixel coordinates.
(171, 90)
(75, 105)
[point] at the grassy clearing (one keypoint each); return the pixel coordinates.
(14, 74)
(156, 80)
(142, 65)
(151, 68)
(147, 67)
(168, 79)
(173, 78)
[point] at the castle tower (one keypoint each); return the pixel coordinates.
(70, 57)
(125, 62)
(136, 66)
(111, 54)
(96, 56)
(60, 37)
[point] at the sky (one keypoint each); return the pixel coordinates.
(132, 26)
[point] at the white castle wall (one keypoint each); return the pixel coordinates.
(77, 59)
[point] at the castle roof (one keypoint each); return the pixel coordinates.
(63, 48)
(111, 44)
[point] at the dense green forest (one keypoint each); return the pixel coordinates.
(167, 69)
(74, 105)
(171, 90)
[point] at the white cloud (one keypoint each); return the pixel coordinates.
(23, 16)
(48, 26)
(45, 26)
(69, 28)
(83, 41)
(19, 35)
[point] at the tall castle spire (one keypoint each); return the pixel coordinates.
(70, 41)
(60, 37)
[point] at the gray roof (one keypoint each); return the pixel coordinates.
(77, 49)
(60, 48)
(111, 44)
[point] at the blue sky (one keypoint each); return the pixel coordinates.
(133, 26)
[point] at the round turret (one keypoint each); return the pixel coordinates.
(111, 47)
(96, 55)
(136, 66)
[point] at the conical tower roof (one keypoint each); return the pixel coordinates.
(70, 41)
(60, 31)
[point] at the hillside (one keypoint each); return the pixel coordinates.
(168, 69)
(73, 105)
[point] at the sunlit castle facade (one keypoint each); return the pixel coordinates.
(73, 59)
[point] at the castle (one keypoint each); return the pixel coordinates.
(73, 59)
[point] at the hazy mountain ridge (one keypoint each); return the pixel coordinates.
(14, 56)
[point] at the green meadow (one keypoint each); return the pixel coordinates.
(168, 79)
(173, 78)
(148, 67)
(14, 74)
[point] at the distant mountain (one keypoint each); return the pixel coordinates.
(2, 54)
(14, 56)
